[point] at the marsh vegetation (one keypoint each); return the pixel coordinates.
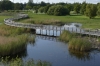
(13, 40)
(76, 42)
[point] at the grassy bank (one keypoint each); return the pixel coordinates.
(76, 42)
(13, 40)
(12, 45)
(87, 23)
(20, 62)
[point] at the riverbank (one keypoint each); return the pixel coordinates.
(79, 42)
(13, 40)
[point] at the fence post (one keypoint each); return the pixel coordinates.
(60, 30)
(56, 31)
(53, 31)
(72, 29)
(64, 28)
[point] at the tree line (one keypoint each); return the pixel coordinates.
(58, 9)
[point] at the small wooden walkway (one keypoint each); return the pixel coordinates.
(11, 22)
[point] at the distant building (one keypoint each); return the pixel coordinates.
(31, 1)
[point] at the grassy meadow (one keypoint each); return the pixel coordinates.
(85, 21)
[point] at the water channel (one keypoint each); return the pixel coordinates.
(52, 50)
(56, 52)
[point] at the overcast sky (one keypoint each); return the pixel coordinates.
(56, 1)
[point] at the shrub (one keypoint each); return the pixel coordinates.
(58, 10)
(51, 10)
(61, 11)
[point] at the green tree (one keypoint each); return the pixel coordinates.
(42, 3)
(91, 10)
(51, 10)
(18, 6)
(77, 7)
(98, 9)
(41, 9)
(46, 8)
(6, 5)
(58, 10)
(61, 11)
(83, 8)
(70, 7)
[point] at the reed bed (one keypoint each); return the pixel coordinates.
(75, 42)
(12, 31)
(66, 36)
(12, 45)
(80, 44)
(19, 62)
(13, 40)
(44, 22)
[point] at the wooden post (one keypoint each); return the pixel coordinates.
(60, 30)
(46, 31)
(89, 33)
(49, 30)
(53, 32)
(72, 29)
(64, 28)
(68, 28)
(80, 32)
(40, 30)
(56, 31)
(76, 30)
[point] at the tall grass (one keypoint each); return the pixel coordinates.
(12, 31)
(75, 42)
(66, 36)
(12, 45)
(20, 62)
(80, 44)
(13, 40)
(44, 22)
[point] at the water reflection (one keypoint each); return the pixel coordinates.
(84, 56)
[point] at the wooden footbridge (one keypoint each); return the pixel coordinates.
(48, 28)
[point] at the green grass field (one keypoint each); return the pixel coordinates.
(2, 18)
(87, 23)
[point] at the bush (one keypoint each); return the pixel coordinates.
(51, 10)
(58, 10)
(61, 11)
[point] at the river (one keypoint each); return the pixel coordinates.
(57, 54)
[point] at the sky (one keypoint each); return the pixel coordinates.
(56, 1)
